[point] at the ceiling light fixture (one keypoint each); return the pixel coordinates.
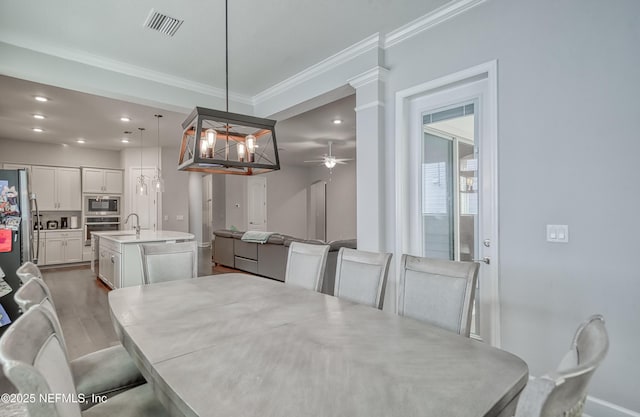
(220, 142)
(38, 116)
(125, 119)
(37, 129)
(80, 141)
(41, 98)
(158, 181)
(141, 187)
(124, 140)
(337, 121)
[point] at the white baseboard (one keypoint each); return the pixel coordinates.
(595, 407)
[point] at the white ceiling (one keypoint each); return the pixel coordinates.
(269, 41)
(71, 115)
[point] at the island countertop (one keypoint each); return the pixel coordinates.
(129, 236)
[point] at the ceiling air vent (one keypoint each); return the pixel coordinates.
(163, 23)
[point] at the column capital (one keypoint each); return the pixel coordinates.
(375, 74)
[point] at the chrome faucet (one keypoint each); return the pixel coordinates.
(137, 226)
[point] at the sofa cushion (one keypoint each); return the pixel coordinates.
(335, 245)
(223, 233)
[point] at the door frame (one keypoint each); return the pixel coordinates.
(488, 70)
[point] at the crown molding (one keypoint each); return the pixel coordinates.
(376, 103)
(374, 74)
(347, 54)
(429, 20)
(126, 69)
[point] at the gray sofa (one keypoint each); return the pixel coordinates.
(270, 259)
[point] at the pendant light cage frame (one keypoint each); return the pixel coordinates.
(241, 145)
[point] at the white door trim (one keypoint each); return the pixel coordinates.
(403, 97)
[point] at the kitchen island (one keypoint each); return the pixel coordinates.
(118, 255)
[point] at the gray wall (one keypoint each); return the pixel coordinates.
(341, 199)
(288, 200)
(175, 201)
(568, 151)
(37, 153)
(287, 192)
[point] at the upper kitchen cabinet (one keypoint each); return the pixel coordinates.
(17, 166)
(56, 188)
(101, 181)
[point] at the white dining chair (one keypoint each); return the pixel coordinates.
(28, 270)
(361, 276)
(563, 392)
(438, 291)
(162, 262)
(306, 264)
(105, 372)
(33, 358)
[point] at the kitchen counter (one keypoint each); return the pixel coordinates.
(118, 253)
(129, 236)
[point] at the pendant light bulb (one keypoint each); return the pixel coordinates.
(158, 181)
(211, 137)
(241, 152)
(142, 185)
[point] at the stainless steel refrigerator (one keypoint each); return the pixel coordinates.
(19, 242)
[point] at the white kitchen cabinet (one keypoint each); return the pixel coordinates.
(120, 263)
(17, 166)
(56, 188)
(62, 247)
(102, 181)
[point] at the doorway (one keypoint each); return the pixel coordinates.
(447, 181)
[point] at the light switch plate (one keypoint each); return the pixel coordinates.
(179, 217)
(558, 233)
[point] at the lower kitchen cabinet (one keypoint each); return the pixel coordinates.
(62, 247)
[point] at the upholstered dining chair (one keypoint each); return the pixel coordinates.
(33, 358)
(163, 262)
(28, 270)
(306, 264)
(438, 291)
(361, 276)
(563, 392)
(105, 372)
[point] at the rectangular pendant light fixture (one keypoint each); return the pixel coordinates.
(220, 142)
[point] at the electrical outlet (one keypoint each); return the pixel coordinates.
(558, 233)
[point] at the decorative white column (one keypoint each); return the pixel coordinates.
(195, 206)
(370, 159)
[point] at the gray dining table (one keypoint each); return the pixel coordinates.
(239, 345)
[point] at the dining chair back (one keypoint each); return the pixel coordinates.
(306, 264)
(163, 262)
(563, 392)
(105, 372)
(33, 358)
(438, 291)
(361, 276)
(28, 270)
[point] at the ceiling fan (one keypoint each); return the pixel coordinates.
(330, 160)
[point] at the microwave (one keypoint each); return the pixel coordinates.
(102, 205)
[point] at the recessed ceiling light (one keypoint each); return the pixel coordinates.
(337, 121)
(125, 119)
(41, 98)
(38, 116)
(125, 140)
(80, 141)
(37, 129)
